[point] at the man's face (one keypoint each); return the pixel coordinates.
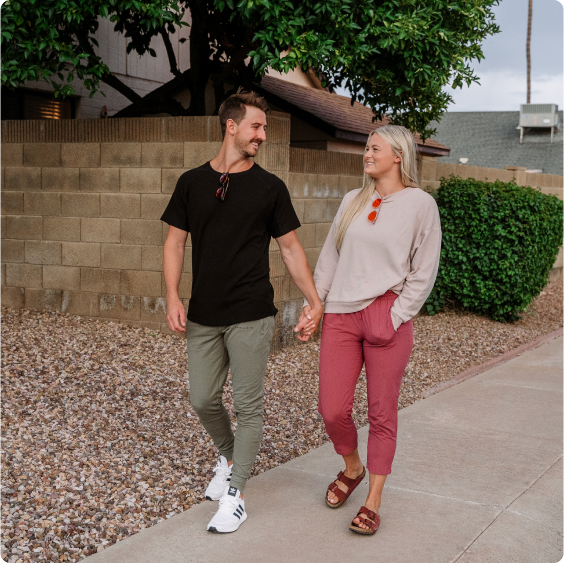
(251, 132)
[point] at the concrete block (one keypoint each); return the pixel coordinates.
(214, 129)
(97, 280)
(306, 235)
(99, 179)
(61, 277)
(349, 183)
(559, 262)
(553, 191)
(277, 267)
(121, 257)
(187, 265)
(13, 297)
(140, 180)
(165, 229)
(295, 292)
(153, 309)
(13, 251)
(146, 284)
(141, 231)
(427, 168)
(81, 254)
(327, 186)
(22, 179)
(299, 208)
(41, 203)
(278, 286)
(169, 179)
(312, 254)
(468, 171)
(100, 230)
(277, 156)
(430, 187)
(332, 208)
(162, 155)
(80, 205)
(302, 185)
(122, 206)
(23, 228)
(119, 155)
(80, 303)
(315, 211)
(12, 154)
(45, 155)
(557, 181)
(153, 205)
(152, 258)
(60, 179)
(196, 154)
(120, 307)
(321, 232)
(24, 275)
(61, 228)
(184, 287)
(80, 155)
(284, 175)
(42, 252)
(12, 203)
(444, 169)
(47, 299)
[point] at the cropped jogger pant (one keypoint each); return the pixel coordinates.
(347, 341)
(211, 350)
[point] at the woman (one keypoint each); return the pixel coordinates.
(376, 269)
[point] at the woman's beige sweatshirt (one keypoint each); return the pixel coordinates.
(400, 252)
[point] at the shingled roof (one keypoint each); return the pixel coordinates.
(333, 113)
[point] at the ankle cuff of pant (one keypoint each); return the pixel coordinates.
(227, 455)
(238, 483)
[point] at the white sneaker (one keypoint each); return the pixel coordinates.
(231, 513)
(220, 481)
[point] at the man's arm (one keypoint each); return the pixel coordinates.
(295, 260)
(172, 265)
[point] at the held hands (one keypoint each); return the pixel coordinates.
(175, 314)
(310, 318)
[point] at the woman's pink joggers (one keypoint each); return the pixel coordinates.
(347, 341)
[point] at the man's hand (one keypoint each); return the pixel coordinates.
(175, 314)
(310, 318)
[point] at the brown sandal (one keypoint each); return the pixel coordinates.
(352, 484)
(366, 515)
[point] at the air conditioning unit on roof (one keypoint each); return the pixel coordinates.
(538, 116)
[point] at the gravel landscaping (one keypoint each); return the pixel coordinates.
(99, 440)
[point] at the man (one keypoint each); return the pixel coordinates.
(232, 207)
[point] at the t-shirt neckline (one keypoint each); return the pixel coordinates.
(231, 174)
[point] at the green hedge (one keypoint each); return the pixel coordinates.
(499, 244)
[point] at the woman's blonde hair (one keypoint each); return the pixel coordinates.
(403, 145)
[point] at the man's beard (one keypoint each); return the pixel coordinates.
(242, 147)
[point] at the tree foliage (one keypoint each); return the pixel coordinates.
(395, 56)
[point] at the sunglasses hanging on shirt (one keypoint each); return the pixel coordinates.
(223, 183)
(373, 215)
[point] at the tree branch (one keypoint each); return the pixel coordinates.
(131, 95)
(170, 53)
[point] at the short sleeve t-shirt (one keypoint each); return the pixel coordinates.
(230, 241)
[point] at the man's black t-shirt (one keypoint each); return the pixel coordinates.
(230, 241)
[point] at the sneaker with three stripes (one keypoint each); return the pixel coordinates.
(220, 480)
(231, 513)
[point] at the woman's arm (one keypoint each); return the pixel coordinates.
(421, 278)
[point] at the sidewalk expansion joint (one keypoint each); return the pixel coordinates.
(506, 509)
(393, 487)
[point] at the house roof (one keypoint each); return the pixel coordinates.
(333, 113)
(491, 139)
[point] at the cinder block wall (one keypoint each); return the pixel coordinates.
(81, 202)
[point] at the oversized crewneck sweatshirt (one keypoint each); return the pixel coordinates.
(399, 252)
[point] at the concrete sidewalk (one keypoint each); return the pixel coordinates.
(477, 478)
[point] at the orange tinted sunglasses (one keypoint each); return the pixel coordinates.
(373, 215)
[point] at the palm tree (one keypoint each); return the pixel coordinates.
(529, 51)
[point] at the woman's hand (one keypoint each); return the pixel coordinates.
(310, 318)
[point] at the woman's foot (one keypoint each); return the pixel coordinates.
(359, 520)
(351, 473)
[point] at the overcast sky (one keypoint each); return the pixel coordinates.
(503, 72)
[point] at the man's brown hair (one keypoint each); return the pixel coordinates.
(235, 107)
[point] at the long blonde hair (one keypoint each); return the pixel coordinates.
(403, 145)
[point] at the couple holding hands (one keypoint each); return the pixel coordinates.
(377, 268)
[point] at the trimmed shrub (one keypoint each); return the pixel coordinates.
(500, 241)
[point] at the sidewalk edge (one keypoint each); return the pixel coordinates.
(481, 368)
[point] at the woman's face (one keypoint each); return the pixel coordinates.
(379, 157)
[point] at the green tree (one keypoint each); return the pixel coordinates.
(395, 56)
